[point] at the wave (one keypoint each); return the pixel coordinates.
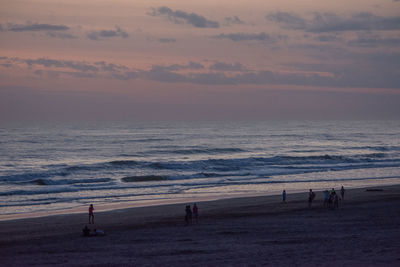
(145, 178)
(192, 151)
(194, 180)
(330, 158)
(67, 181)
(142, 140)
(33, 175)
(81, 168)
(236, 164)
(376, 148)
(68, 189)
(123, 162)
(102, 165)
(206, 166)
(190, 185)
(199, 175)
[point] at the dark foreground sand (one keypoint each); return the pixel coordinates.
(364, 231)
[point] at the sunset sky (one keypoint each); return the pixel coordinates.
(183, 60)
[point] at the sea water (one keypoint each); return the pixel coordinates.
(59, 166)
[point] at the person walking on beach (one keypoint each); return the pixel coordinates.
(188, 216)
(91, 215)
(195, 213)
(326, 198)
(284, 196)
(342, 192)
(311, 196)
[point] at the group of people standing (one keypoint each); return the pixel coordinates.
(331, 198)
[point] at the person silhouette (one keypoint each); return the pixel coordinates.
(91, 215)
(86, 231)
(284, 196)
(326, 198)
(311, 197)
(195, 212)
(335, 201)
(188, 216)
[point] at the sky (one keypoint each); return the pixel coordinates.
(199, 60)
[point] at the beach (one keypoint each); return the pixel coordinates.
(247, 231)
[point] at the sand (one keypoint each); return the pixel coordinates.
(258, 231)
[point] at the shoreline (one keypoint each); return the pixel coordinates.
(101, 208)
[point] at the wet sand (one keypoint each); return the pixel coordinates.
(364, 231)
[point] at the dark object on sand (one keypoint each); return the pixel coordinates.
(86, 231)
(188, 216)
(335, 201)
(98, 232)
(326, 198)
(311, 197)
(195, 212)
(374, 190)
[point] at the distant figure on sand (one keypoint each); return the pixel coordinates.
(335, 201)
(332, 198)
(311, 196)
(326, 198)
(188, 216)
(91, 215)
(342, 192)
(86, 231)
(284, 196)
(195, 212)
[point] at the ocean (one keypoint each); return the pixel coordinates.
(62, 166)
